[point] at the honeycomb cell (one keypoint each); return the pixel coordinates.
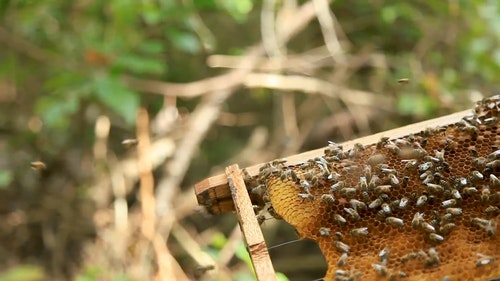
(450, 166)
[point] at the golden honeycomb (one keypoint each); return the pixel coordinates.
(422, 207)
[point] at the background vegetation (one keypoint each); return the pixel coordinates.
(202, 84)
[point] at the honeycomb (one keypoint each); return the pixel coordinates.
(422, 207)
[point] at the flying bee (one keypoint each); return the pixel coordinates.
(307, 196)
(339, 219)
(353, 214)
(394, 221)
(403, 81)
(454, 211)
(341, 246)
(342, 260)
(327, 198)
(337, 186)
(421, 200)
(324, 231)
(38, 165)
(358, 232)
(436, 237)
(381, 269)
(129, 143)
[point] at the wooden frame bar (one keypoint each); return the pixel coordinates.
(249, 225)
(214, 193)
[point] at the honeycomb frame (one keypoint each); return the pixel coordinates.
(421, 207)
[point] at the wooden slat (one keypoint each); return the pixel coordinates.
(214, 193)
(249, 225)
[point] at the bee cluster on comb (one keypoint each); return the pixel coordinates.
(421, 207)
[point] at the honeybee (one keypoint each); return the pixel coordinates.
(342, 260)
(427, 227)
(38, 165)
(352, 213)
(324, 231)
(327, 198)
(357, 232)
(308, 196)
(339, 219)
(454, 211)
(381, 269)
(394, 221)
(436, 237)
(403, 81)
(421, 200)
(341, 246)
(129, 143)
(484, 260)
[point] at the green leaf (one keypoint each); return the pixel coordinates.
(6, 178)
(281, 277)
(23, 272)
(116, 96)
(218, 240)
(151, 13)
(413, 104)
(152, 47)
(139, 64)
(184, 41)
(239, 10)
(56, 111)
